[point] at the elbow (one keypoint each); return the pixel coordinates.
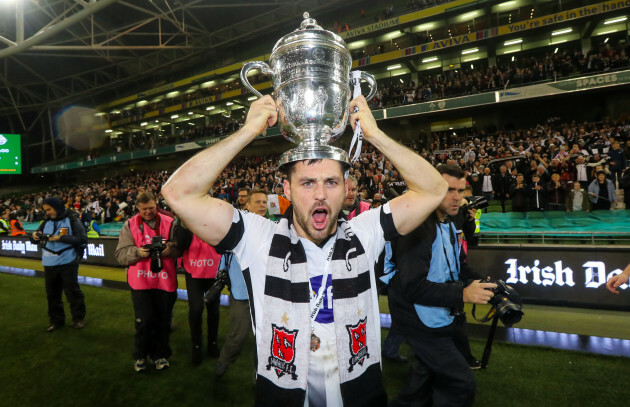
(167, 192)
(441, 189)
(170, 195)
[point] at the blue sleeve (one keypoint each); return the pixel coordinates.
(389, 269)
(389, 265)
(238, 288)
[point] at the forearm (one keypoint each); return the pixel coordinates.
(193, 180)
(421, 291)
(186, 191)
(126, 251)
(426, 187)
(419, 175)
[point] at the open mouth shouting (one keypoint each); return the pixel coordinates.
(319, 216)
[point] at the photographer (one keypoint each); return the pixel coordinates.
(427, 293)
(240, 321)
(200, 262)
(60, 236)
(152, 277)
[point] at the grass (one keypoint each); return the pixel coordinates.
(611, 324)
(93, 366)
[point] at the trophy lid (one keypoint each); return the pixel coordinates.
(310, 31)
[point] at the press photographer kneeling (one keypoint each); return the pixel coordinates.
(61, 236)
(152, 277)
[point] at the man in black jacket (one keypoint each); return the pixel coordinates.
(427, 294)
(501, 184)
(519, 191)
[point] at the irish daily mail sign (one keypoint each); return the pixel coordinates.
(557, 275)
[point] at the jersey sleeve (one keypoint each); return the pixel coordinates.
(373, 228)
(234, 235)
(249, 237)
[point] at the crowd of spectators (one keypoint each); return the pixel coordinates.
(522, 71)
(105, 200)
(551, 166)
(467, 80)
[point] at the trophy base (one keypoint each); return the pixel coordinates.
(317, 152)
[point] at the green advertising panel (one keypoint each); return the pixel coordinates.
(10, 154)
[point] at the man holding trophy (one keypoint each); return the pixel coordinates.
(310, 277)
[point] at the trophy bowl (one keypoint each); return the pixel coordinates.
(310, 70)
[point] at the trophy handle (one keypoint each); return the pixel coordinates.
(372, 82)
(254, 65)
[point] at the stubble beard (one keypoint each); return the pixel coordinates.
(302, 218)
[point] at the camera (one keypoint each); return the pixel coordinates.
(213, 293)
(155, 253)
(43, 237)
(476, 203)
(506, 303)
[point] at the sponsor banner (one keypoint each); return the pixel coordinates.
(209, 141)
(370, 28)
(403, 19)
(568, 85)
(547, 20)
(598, 81)
(439, 105)
(556, 275)
(586, 11)
(199, 102)
(98, 251)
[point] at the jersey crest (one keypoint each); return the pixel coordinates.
(358, 343)
(282, 351)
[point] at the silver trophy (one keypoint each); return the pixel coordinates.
(310, 69)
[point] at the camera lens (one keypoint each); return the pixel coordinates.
(509, 313)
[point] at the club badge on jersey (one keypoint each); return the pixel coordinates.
(282, 351)
(358, 343)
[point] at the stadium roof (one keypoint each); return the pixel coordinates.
(61, 52)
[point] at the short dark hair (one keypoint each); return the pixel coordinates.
(145, 197)
(452, 170)
(289, 168)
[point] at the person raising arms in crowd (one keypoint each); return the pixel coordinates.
(308, 260)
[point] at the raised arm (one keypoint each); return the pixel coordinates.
(186, 191)
(426, 187)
